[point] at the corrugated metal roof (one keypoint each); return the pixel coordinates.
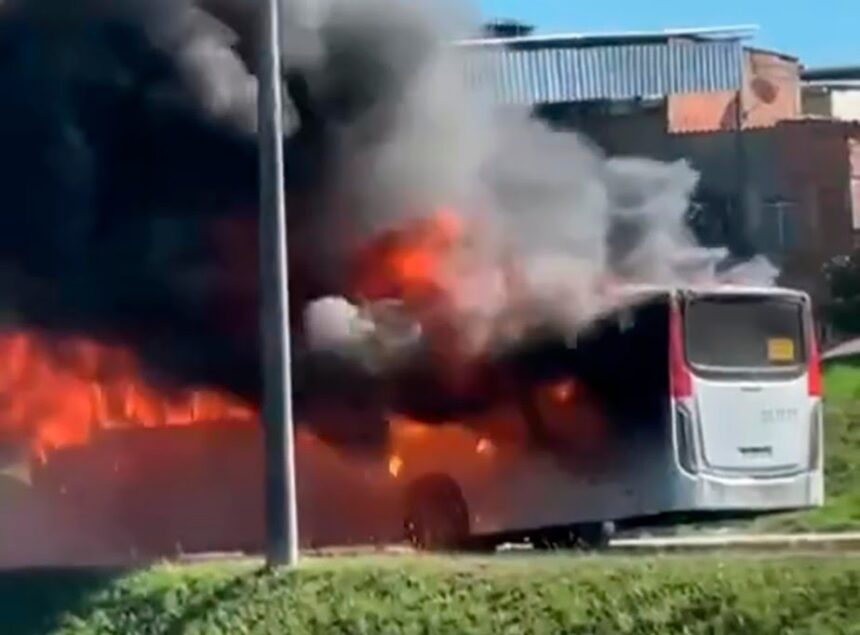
(616, 37)
(555, 72)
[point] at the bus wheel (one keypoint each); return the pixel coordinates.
(596, 536)
(437, 517)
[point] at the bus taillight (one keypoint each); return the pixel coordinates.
(679, 373)
(814, 372)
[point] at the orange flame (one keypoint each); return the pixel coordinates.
(485, 447)
(408, 262)
(57, 392)
(395, 466)
(563, 392)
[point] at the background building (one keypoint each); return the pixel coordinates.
(779, 163)
(832, 93)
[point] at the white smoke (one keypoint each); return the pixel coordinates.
(376, 336)
(412, 136)
(205, 51)
(334, 324)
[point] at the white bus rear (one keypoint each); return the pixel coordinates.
(746, 389)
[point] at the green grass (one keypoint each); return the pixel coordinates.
(534, 595)
(842, 460)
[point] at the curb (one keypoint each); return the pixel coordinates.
(763, 542)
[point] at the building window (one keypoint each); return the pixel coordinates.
(777, 230)
(855, 201)
(854, 161)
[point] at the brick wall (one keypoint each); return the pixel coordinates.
(795, 177)
(771, 93)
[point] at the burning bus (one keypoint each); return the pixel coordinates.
(682, 405)
(470, 356)
(679, 405)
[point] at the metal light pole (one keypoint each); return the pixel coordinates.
(281, 518)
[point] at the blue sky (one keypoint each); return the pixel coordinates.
(823, 33)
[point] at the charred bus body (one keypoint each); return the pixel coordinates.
(687, 405)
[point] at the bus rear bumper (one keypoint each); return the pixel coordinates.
(718, 493)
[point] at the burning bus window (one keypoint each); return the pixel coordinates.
(599, 404)
(737, 333)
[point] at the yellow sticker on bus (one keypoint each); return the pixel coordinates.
(780, 349)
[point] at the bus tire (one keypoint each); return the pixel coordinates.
(437, 516)
(596, 536)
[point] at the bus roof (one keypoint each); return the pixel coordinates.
(708, 289)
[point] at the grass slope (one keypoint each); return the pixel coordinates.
(534, 595)
(842, 459)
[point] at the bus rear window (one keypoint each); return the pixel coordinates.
(742, 332)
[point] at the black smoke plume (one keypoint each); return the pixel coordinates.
(128, 145)
(128, 179)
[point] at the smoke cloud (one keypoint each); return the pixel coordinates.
(128, 143)
(409, 136)
(128, 173)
